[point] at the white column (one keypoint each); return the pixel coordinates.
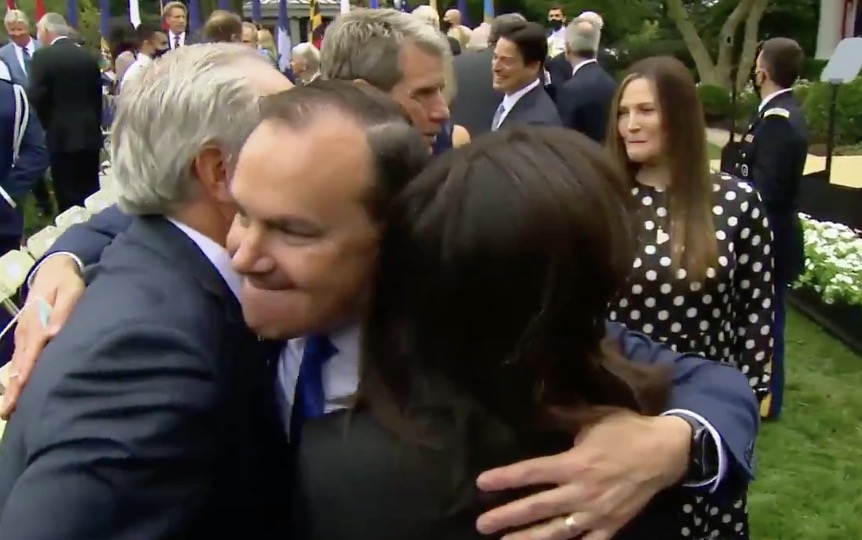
(828, 30)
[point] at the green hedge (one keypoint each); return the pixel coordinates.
(848, 117)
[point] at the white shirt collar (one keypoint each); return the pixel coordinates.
(581, 64)
(216, 254)
(770, 97)
(510, 100)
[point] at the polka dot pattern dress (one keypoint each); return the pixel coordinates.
(727, 316)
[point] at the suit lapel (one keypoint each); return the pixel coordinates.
(522, 104)
(166, 240)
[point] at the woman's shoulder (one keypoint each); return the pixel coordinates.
(732, 192)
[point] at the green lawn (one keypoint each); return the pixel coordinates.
(809, 472)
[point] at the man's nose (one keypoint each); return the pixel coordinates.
(439, 112)
(244, 246)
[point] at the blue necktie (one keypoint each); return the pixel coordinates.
(309, 400)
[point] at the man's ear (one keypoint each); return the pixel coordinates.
(210, 169)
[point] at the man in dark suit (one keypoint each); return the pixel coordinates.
(477, 100)
(23, 162)
(584, 101)
(66, 93)
(772, 157)
(152, 414)
(518, 68)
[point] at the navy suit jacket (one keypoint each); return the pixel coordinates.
(534, 108)
(718, 393)
(584, 101)
(30, 167)
(152, 414)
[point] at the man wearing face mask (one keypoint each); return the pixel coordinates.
(772, 157)
(557, 36)
(152, 42)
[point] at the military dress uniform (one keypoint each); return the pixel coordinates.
(772, 157)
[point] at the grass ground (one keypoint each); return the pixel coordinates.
(809, 472)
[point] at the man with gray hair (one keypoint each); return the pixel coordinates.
(584, 101)
(18, 53)
(66, 93)
(305, 62)
(151, 415)
(394, 52)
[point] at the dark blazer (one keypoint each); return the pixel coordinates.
(772, 156)
(718, 393)
(476, 101)
(66, 93)
(433, 489)
(535, 108)
(560, 70)
(152, 414)
(30, 167)
(584, 101)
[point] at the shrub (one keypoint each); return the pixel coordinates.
(715, 101)
(812, 68)
(848, 117)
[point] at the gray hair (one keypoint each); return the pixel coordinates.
(583, 36)
(54, 23)
(194, 96)
(309, 53)
(15, 16)
(366, 44)
(429, 15)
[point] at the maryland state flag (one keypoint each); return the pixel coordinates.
(317, 26)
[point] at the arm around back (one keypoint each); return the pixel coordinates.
(720, 394)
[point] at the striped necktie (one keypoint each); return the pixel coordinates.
(498, 117)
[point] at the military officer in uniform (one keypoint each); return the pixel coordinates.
(772, 157)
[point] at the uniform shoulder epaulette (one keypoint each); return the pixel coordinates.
(777, 111)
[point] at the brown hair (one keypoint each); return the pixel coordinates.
(693, 243)
(497, 264)
(782, 58)
(222, 27)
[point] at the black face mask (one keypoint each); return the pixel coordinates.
(159, 52)
(555, 24)
(445, 26)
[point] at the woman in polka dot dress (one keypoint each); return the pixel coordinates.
(703, 279)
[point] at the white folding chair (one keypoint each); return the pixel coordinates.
(41, 242)
(98, 201)
(13, 272)
(70, 217)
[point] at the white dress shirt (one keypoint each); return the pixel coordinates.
(136, 69)
(172, 39)
(770, 97)
(510, 100)
(216, 254)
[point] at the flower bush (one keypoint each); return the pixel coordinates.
(833, 261)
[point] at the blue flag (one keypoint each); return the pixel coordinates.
(283, 43)
(104, 16)
(194, 16)
(255, 11)
(72, 13)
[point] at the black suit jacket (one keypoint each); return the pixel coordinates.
(584, 101)
(356, 480)
(66, 93)
(151, 415)
(476, 101)
(535, 108)
(773, 152)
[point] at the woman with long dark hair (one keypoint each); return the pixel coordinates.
(484, 344)
(702, 276)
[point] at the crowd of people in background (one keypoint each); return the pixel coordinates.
(332, 293)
